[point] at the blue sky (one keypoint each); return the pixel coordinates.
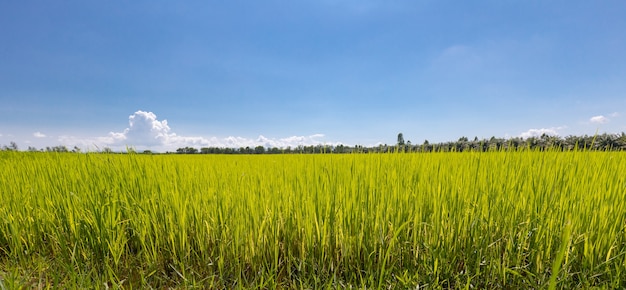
(161, 74)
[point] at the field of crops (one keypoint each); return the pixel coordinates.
(523, 219)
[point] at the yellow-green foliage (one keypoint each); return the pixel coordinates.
(482, 220)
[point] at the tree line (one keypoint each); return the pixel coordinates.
(603, 142)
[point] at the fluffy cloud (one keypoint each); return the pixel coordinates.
(39, 135)
(599, 119)
(145, 130)
(538, 132)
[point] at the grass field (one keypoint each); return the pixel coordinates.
(523, 219)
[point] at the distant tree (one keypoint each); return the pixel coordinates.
(607, 141)
(187, 150)
(32, 149)
(340, 149)
(491, 144)
(621, 141)
(462, 144)
(426, 146)
(60, 149)
(571, 142)
(12, 147)
(274, 150)
(400, 139)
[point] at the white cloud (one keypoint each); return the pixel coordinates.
(291, 141)
(146, 131)
(39, 135)
(599, 119)
(553, 131)
(614, 114)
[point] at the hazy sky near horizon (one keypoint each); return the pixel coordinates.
(161, 75)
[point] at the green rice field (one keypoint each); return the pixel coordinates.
(470, 220)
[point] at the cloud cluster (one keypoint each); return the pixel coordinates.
(553, 131)
(599, 119)
(145, 130)
(39, 135)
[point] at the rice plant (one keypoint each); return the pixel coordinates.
(511, 219)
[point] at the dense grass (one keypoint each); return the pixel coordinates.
(451, 220)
